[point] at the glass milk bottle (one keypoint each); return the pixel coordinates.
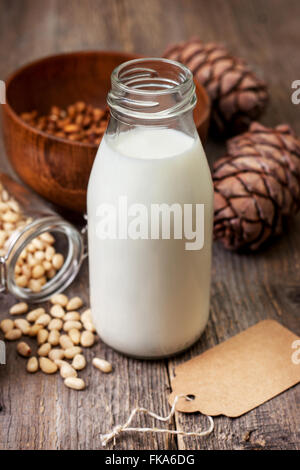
(150, 214)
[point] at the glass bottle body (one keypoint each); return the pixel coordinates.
(149, 264)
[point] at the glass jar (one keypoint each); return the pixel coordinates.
(24, 218)
(149, 269)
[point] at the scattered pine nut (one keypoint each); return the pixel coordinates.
(13, 334)
(6, 325)
(23, 349)
(72, 316)
(74, 335)
(86, 315)
(43, 320)
(42, 336)
(88, 325)
(34, 330)
(59, 299)
(60, 362)
(35, 314)
(66, 370)
(55, 324)
(57, 311)
(19, 309)
(74, 303)
(44, 349)
(79, 362)
(75, 383)
(102, 365)
(56, 354)
(23, 325)
(87, 339)
(53, 338)
(70, 325)
(46, 327)
(32, 365)
(70, 353)
(65, 342)
(47, 366)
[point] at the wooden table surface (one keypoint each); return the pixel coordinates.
(38, 412)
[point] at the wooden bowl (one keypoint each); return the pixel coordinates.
(56, 168)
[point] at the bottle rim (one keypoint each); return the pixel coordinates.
(151, 88)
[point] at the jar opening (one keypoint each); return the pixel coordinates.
(151, 88)
(71, 243)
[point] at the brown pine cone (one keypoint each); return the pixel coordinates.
(256, 184)
(238, 96)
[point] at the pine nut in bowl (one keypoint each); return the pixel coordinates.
(55, 117)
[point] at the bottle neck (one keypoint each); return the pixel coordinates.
(184, 123)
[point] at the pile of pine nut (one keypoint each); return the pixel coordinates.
(39, 261)
(60, 334)
(80, 122)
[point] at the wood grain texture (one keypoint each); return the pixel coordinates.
(38, 411)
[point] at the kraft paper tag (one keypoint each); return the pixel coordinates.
(241, 373)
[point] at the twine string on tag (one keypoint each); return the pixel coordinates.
(105, 438)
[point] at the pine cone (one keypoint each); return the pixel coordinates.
(238, 96)
(256, 184)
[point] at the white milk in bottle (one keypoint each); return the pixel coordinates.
(150, 213)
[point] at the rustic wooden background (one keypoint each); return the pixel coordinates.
(38, 412)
